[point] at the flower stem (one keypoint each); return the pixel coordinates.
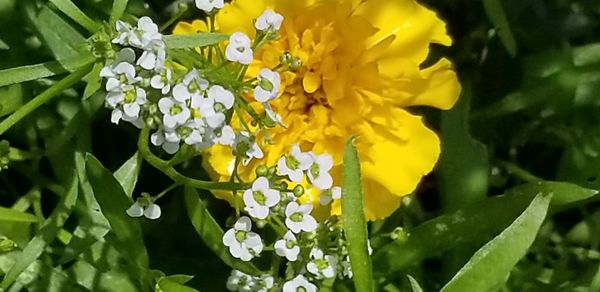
(165, 191)
(43, 98)
(519, 172)
(171, 172)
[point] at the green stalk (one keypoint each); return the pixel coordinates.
(171, 172)
(43, 98)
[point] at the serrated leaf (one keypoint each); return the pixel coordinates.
(127, 174)
(496, 14)
(194, 41)
(463, 226)
(48, 69)
(353, 220)
(126, 230)
(45, 236)
(211, 233)
(71, 10)
(11, 215)
(490, 265)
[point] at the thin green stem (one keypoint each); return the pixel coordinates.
(519, 172)
(167, 169)
(165, 191)
(43, 98)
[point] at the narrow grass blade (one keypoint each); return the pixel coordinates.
(211, 233)
(194, 41)
(491, 264)
(48, 69)
(72, 11)
(353, 219)
(496, 14)
(118, 9)
(11, 215)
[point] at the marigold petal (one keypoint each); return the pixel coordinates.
(193, 27)
(399, 164)
(414, 26)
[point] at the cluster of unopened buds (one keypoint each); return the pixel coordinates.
(186, 106)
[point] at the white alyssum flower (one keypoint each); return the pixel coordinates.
(300, 283)
(321, 265)
(150, 210)
(212, 107)
(223, 136)
(295, 164)
(190, 133)
(121, 72)
(152, 59)
(174, 112)
(158, 139)
(271, 114)
(238, 49)
(269, 20)
(346, 267)
(288, 247)
(144, 36)
(242, 282)
(298, 217)
(318, 173)
(192, 87)
(260, 198)
(162, 80)
(268, 85)
(209, 5)
(243, 243)
(329, 195)
(250, 148)
(126, 103)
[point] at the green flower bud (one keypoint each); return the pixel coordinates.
(262, 170)
(298, 190)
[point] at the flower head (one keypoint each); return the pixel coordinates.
(359, 71)
(209, 5)
(268, 85)
(299, 283)
(269, 20)
(322, 265)
(260, 198)
(243, 243)
(288, 247)
(238, 49)
(294, 164)
(298, 217)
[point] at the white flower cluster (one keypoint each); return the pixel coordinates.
(269, 200)
(239, 281)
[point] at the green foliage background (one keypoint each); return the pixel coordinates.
(528, 115)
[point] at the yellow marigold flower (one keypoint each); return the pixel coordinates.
(360, 73)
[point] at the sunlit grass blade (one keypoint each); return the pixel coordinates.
(465, 224)
(72, 11)
(41, 99)
(118, 9)
(491, 264)
(126, 230)
(194, 41)
(127, 174)
(48, 69)
(211, 233)
(353, 219)
(11, 215)
(414, 285)
(45, 236)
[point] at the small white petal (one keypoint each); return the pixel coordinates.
(152, 212)
(135, 210)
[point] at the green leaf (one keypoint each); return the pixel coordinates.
(414, 285)
(113, 202)
(94, 82)
(12, 99)
(464, 226)
(490, 265)
(168, 284)
(211, 233)
(464, 165)
(118, 9)
(194, 41)
(127, 174)
(95, 279)
(72, 11)
(586, 55)
(59, 36)
(48, 69)
(11, 215)
(45, 236)
(3, 45)
(496, 14)
(353, 219)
